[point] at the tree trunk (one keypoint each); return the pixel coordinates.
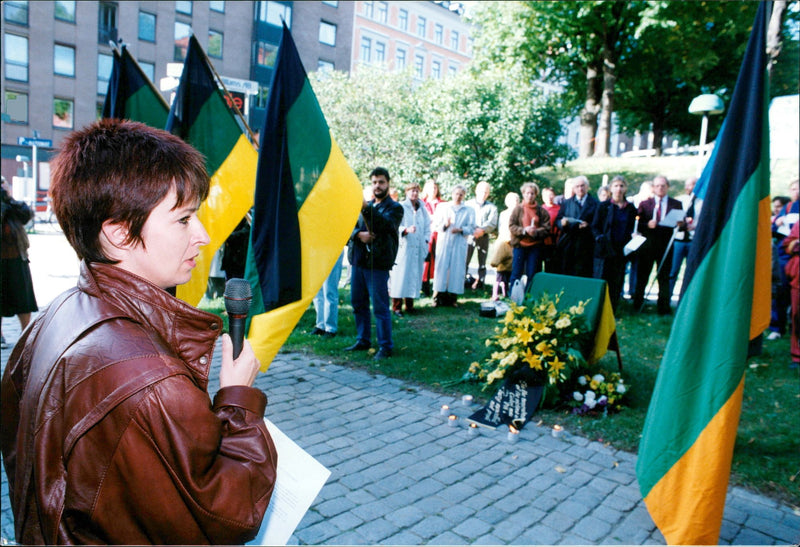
(589, 112)
(658, 136)
(604, 127)
(774, 38)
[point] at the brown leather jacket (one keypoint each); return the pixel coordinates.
(124, 445)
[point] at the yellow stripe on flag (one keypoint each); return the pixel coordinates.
(229, 198)
(605, 329)
(687, 502)
(760, 315)
(327, 219)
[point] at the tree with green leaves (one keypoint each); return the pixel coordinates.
(490, 126)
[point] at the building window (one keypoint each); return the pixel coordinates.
(438, 34)
(327, 33)
(217, 5)
(436, 70)
(452, 70)
(147, 26)
(402, 19)
(369, 9)
(64, 60)
(107, 23)
(149, 69)
(274, 13)
(380, 52)
(266, 54)
(454, 40)
(16, 107)
(333, 4)
(383, 12)
(16, 12)
(366, 50)
(104, 65)
(15, 52)
(324, 66)
(421, 26)
(63, 110)
(65, 10)
(400, 59)
(419, 67)
(182, 33)
(215, 44)
(183, 6)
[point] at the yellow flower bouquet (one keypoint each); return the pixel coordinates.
(536, 343)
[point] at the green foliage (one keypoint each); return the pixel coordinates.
(464, 128)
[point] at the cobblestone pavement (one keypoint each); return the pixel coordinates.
(401, 476)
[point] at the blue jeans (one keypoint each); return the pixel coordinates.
(526, 260)
(326, 303)
(366, 283)
(680, 250)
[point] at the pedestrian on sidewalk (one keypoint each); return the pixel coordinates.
(108, 432)
(16, 294)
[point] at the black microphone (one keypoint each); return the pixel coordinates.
(237, 303)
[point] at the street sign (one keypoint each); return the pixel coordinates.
(28, 141)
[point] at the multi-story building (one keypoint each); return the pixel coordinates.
(429, 38)
(57, 55)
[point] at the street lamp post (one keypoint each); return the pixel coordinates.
(705, 105)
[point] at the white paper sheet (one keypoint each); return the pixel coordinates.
(672, 218)
(635, 242)
(788, 221)
(300, 477)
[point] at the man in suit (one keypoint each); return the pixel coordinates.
(651, 212)
(575, 247)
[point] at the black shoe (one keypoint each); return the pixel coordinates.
(359, 346)
(383, 353)
(317, 331)
(327, 334)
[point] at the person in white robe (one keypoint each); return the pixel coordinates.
(455, 222)
(415, 232)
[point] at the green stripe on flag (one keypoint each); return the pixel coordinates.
(216, 144)
(143, 106)
(309, 142)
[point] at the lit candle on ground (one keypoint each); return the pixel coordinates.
(472, 430)
(445, 410)
(451, 420)
(557, 431)
(513, 434)
(466, 400)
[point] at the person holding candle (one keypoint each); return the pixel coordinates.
(529, 225)
(655, 250)
(108, 432)
(612, 228)
(455, 223)
(371, 254)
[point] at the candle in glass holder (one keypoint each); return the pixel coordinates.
(451, 420)
(445, 410)
(466, 400)
(472, 430)
(557, 431)
(513, 434)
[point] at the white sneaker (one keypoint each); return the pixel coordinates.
(773, 335)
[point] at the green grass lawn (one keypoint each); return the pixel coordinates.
(434, 347)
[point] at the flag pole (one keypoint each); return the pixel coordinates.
(235, 108)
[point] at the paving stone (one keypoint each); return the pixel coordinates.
(346, 521)
(538, 534)
(377, 530)
(592, 529)
(471, 528)
(430, 527)
(752, 537)
(559, 521)
(404, 538)
(406, 516)
(447, 538)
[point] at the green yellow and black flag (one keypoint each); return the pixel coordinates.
(307, 201)
(687, 443)
(201, 116)
(131, 95)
